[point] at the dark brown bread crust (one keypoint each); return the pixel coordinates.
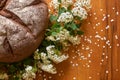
(22, 28)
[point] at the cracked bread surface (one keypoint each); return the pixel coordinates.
(22, 28)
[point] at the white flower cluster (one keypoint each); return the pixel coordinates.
(55, 4)
(55, 57)
(63, 36)
(80, 8)
(51, 54)
(66, 3)
(80, 12)
(65, 17)
(83, 3)
(43, 56)
(46, 63)
(47, 68)
(75, 40)
(36, 54)
(29, 73)
(3, 76)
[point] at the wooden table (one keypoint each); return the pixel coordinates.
(98, 55)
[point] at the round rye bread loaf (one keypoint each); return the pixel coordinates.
(22, 28)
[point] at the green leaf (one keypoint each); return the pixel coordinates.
(54, 33)
(55, 25)
(80, 32)
(12, 69)
(27, 61)
(59, 1)
(62, 10)
(74, 26)
(78, 18)
(53, 18)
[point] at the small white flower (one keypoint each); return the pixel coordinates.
(36, 54)
(52, 38)
(50, 47)
(79, 12)
(44, 58)
(29, 76)
(74, 40)
(57, 58)
(47, 67)
(28, 68)
(83, 3)
(55, 4)
(4, 76)
(65, 17)
(66, 3)
(29, 73)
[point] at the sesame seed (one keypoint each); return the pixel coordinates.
(112, 20)
(93, 27)
(103, 53)
(101, 30)
(88, 66)
(103, 46)
(50, 77)
(103, 19)
(90, 77)
(44, 79)
(74, 78)
(110, 47)
(76, 64)
(89, 61)
(89, 55)
(94, 13)
(116, 70)
(101, 9)
(107, 71)
(61, 71)
(108, 42)
(88, 22)
(107, 27)
(104, 14)
(96, 18)
(117, 13)
(90, 36)
(91, 52)
(73, 65)
(98, 73)
(106, 57)
(118, 45)
(98, 40)
(98, 45)
(102, 60)
(87, 48)
(90, 14)
(59, 74)
(116, 37)
(100, 63)
(113, 8)
(44, 75)
(99, 23)
(96, 32)
(108, 15)
(104, 38)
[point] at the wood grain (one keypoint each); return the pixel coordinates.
(96, 63)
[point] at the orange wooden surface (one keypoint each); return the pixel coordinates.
(93, 61)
